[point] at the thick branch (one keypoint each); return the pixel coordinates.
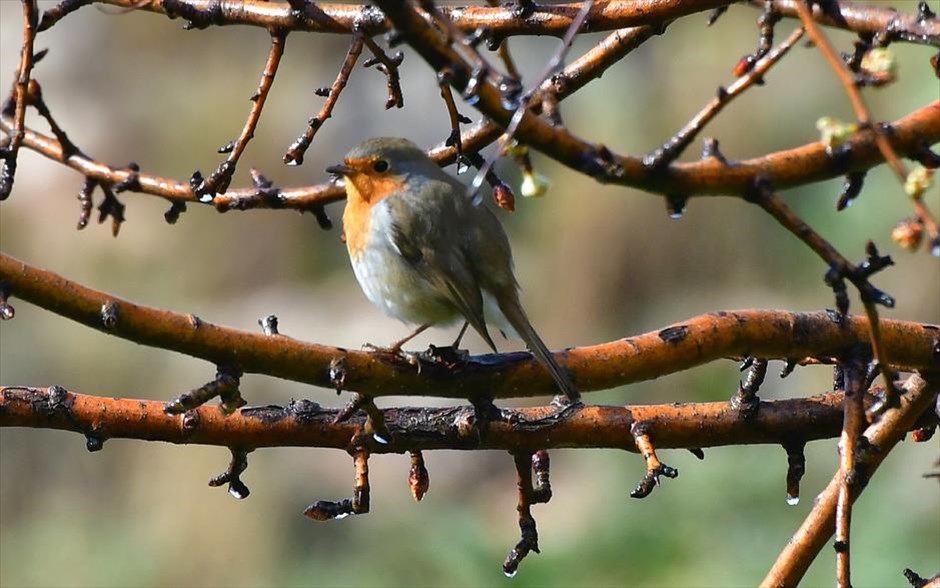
(304, 423)
(801, 550)
(502, 21)
(765, 334)
(544, 19)
(868, 20)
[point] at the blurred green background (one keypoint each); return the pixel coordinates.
(596, 263)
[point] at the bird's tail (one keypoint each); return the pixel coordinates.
(512, 310)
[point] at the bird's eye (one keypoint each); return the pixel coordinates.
(380, 166)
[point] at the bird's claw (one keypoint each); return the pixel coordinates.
(395, 351)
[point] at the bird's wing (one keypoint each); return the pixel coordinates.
(426, 231)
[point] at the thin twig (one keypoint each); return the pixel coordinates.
(841, 268)
(388, 66)
(18, 99)
(862, 113)
(453, 140)
(556, 61)
(295, 153)
(220, 179)
(677, 144)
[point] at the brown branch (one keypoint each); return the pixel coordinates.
(848, 79)
(867, 20)
(588, 67)
(219, 180)
(841, 269)
(295, 153)
(522, 104)
(710, 176)
(793, 167)
(388, 66)
(766, 334)
(305, 424)
(801, 550)
(850, 446)
(503, 21)
(674, 146)
(500, 21)
(16, 104)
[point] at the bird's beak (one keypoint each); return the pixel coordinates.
(340, 170)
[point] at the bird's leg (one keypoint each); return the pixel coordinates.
(395, 348)
(397, 345)
(456, 344)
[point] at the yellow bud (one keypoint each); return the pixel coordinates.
(918, 180)
(516, 149)
(534, 185)
(879, 63)
(833, 132)
(908, 233)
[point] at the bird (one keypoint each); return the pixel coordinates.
(427, 253)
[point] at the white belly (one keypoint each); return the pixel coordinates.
(398, 289)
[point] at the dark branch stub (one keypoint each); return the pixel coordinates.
(231, 476)
(225, 386)
(745, 400)
(654, 467)
(6, 309)
(796, 467)
(418, 479)
(324, 510)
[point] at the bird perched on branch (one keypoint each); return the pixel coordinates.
(426, 254)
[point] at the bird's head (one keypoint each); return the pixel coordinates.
(382, 166)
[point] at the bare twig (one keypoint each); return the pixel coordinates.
(654, 467)
(848, 79)
(841, 269)
(324, 510)
(675, 146)
(16, 104)
(295, 153)
(388, 66)
(522, 103)
(220, 179)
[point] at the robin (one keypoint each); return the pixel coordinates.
(425, 253)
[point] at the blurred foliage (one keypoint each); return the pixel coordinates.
(596, 263)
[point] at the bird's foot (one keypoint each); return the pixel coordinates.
(449, 356)
(563, 401)
(395, 351)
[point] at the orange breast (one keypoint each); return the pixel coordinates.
(362, 193)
